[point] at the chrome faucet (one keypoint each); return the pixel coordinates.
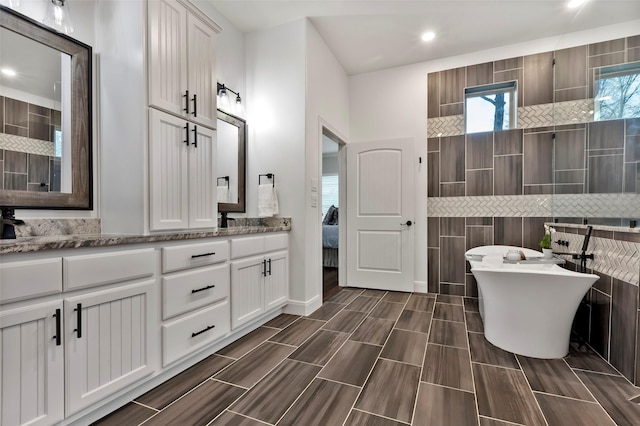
(7, 223)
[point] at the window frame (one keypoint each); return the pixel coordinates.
(510, 87)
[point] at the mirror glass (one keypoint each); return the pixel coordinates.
(231, 134)
(45, 117)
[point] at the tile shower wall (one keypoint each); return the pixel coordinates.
(27, 161)
(501, 187)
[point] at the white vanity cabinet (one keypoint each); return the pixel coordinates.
(259, 276)
(182, 61)
(195, 297)
(182, 173)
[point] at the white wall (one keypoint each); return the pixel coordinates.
(327, 103)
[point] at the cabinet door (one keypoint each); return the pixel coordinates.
(201, 64)
(31, 366)
(247, 290)
(109, 345)
(168, 56)
(276, 282)
(168, 171)
(203, 202)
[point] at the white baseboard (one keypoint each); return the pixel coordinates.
(299, 307)
(420, 287)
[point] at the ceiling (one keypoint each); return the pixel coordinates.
(377, 34)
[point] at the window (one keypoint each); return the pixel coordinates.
(491, 107)
(617, 92)
(329, 192)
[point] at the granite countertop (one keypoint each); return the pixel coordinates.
(54, 242)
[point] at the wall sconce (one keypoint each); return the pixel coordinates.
(57, 16)
(224, 101)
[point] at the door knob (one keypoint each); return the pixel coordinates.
(408, 223)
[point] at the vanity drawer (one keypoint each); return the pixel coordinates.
(31, 278)
(193, 255)
(187, 334)
(276, 242)
(249, 246)
(106, 268)
(186, 291)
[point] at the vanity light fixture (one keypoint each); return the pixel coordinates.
(57, 16)
(8, 72)
(223, 98)
(575, 3)
(428, 36)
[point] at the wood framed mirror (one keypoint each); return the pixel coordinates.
(45, 117)
(231, 162)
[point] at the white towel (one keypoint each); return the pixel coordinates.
(267, 200)
(223, 194)
(492, 261)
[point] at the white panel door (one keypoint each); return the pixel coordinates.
(107, 340)
(380, 212)
(276, 281)
(247, 289)
(170, 141)
(168, 56)
(201, 66)
(31, 365)
(203, 201)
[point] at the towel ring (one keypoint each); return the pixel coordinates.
(271, 176)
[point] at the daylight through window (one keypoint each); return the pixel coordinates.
(491, 107)
(617, 92)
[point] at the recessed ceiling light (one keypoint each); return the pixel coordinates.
(428, 36)
(8, 72)
(575, 3)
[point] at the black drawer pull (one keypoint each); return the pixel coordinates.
(58, 335)
(78, 311)
(269, 262)
(187, 129)
(186, 95)
(195, 136)
(203, 255)
(211, 327)
(203, 288)
(195, 106)
(264, 268)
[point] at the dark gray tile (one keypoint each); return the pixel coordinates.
(298, 332)
(553, 376)
(507, 231)
(15, 130)
(485, 421)
(199, 406)
(405, 346)
(479, 183)
(271, 398)
(471, 304)
(391, 390)
(452, 260)
(474, 322)
(613, 392)
(606, 134)
(433, 272)
(451, 109)
(345, 321)
(320, 347)
(387, 310)
(606, 60)
(38, 169)
(433, 144)
(447, 366)
(532, 231)
(508, 64)
(504, 394)
(577, 93)
(508, 142)
(231, 419)
(480, 74)
(174, 388)
(570, 148)
(433, 232)
(39, 128)
(452, 300)
(247, 343)
(607, 47)
(448, 333)
(471, 286)
(433, 174)
(452, 226)
(583, 358)
(130, 414)
(571, 68)
(479, 221)
(420, 303)
(537, 87)
(323, 403)
(605, 174)
(15, 162)
(484, 352)
(507, 175)
(327, 311)
(448, 312)
(479, 236)
(452, 189)
(624, 311)
(538, 189)
(437, 405)
(359, 418)
(538, 158)
(562, 411)
(433, 95)
(479, 150)
(452, 84)
(249, 369)
(452, 163)
(362, 304)
(282, 321)
(396, 297)
(352, 363)
(374, 293)
(373, 330)
(569, 177)
(600, 322)
(414, 321)
(15, 181)
(453, 289)
(16, 113)
(345, 296)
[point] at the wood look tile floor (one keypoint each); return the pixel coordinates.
(371, 357)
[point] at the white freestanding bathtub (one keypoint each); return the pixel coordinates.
(527, 308)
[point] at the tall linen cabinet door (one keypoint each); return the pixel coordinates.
(201, 64)
(32, 365)
(109, 341)
(203, 200)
